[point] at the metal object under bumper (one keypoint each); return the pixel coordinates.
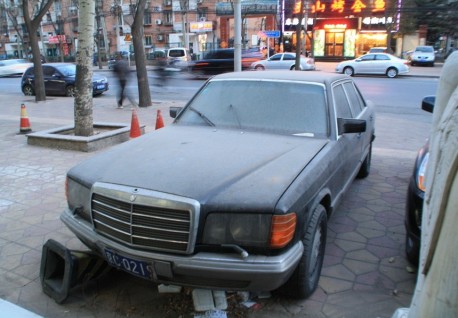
(206, 270)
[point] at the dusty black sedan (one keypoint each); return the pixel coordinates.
(60, 79)
(236, 193)
(416, 195)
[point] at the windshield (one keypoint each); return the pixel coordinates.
(281, 107)
(424, 49)
(67, 70)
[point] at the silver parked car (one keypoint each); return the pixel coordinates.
(239, 196)
(374, 63)
(284, 61)
(14, 67)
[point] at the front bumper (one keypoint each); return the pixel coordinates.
(203, 269)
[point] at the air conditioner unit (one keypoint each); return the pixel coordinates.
(200, 1)
(168, 2)
(202, 19)
(160, 37)
(158, 21)
(72, 11)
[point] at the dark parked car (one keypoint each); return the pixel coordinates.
(416, 195)
(239, 194)
(221, 61)
(60, 79)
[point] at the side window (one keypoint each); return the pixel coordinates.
(48, 71)
(289, 57)
(276, 57)
(340, 100)
(356, 103)
(368, 57)
(381, 57)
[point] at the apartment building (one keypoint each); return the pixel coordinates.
(167, 23)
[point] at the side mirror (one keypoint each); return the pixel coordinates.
(358, 60)
(350, 125)
(428, 103)
(174, 111)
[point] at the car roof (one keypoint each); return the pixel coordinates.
(58, 64)
(317, 77)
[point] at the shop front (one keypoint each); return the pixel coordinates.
(335, 38)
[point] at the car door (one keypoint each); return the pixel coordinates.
(350, 143)
(288, 61)
(273, 63)
(360, 111)
(381, 63)
(365, 64)
(56, 82)
(50, 82)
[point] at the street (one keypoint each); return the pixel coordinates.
(365, 270)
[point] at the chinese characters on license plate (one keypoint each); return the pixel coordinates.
(138, 268)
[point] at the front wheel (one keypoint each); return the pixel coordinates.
(305, 278)
(259, 68)
(349, 71)
(392, 72)
(70, 91)
(28, 90)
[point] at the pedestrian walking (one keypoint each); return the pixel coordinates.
(121, 69)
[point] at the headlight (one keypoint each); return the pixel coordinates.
(78, 198)
(421, 173)
(239, 229)
(255, 230)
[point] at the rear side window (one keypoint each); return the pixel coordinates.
(177, 53)
(343, 109)
(356, 103)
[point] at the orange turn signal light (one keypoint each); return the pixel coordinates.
(282, 230)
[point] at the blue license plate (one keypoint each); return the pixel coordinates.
(135, 267)
(100, 86)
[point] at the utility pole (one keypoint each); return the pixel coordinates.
(184, 4)
(237, 36)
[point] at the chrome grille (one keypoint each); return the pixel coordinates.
(143, 226)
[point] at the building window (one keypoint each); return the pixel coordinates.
(148, 40)
(147, 18)
(168, 17)
(202, 14)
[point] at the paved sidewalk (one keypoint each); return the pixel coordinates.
(364, 274)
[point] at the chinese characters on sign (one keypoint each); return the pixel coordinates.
(338, 6)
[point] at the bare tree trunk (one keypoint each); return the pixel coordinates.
(144, 94)
(32, 27)
(436, 292)
(298, 35)
(83, 96)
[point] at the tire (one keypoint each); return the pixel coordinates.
(259, 68)
(349, 71)
(28, 90)
(293, 68)
(392, 72)
(305, 278)
(412, 251)
(365, 168)
(70, 91)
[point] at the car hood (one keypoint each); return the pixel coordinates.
(210, 165)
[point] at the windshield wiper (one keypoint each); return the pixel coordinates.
(205, 118)
(236, 115)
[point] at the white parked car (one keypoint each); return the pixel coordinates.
(14, 67)
(423, 55)
(284, 61)
(374, 63)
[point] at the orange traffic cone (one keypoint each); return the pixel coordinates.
(25, 124)
(135, 126)
(159, 120)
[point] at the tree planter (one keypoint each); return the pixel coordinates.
(105, 134)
